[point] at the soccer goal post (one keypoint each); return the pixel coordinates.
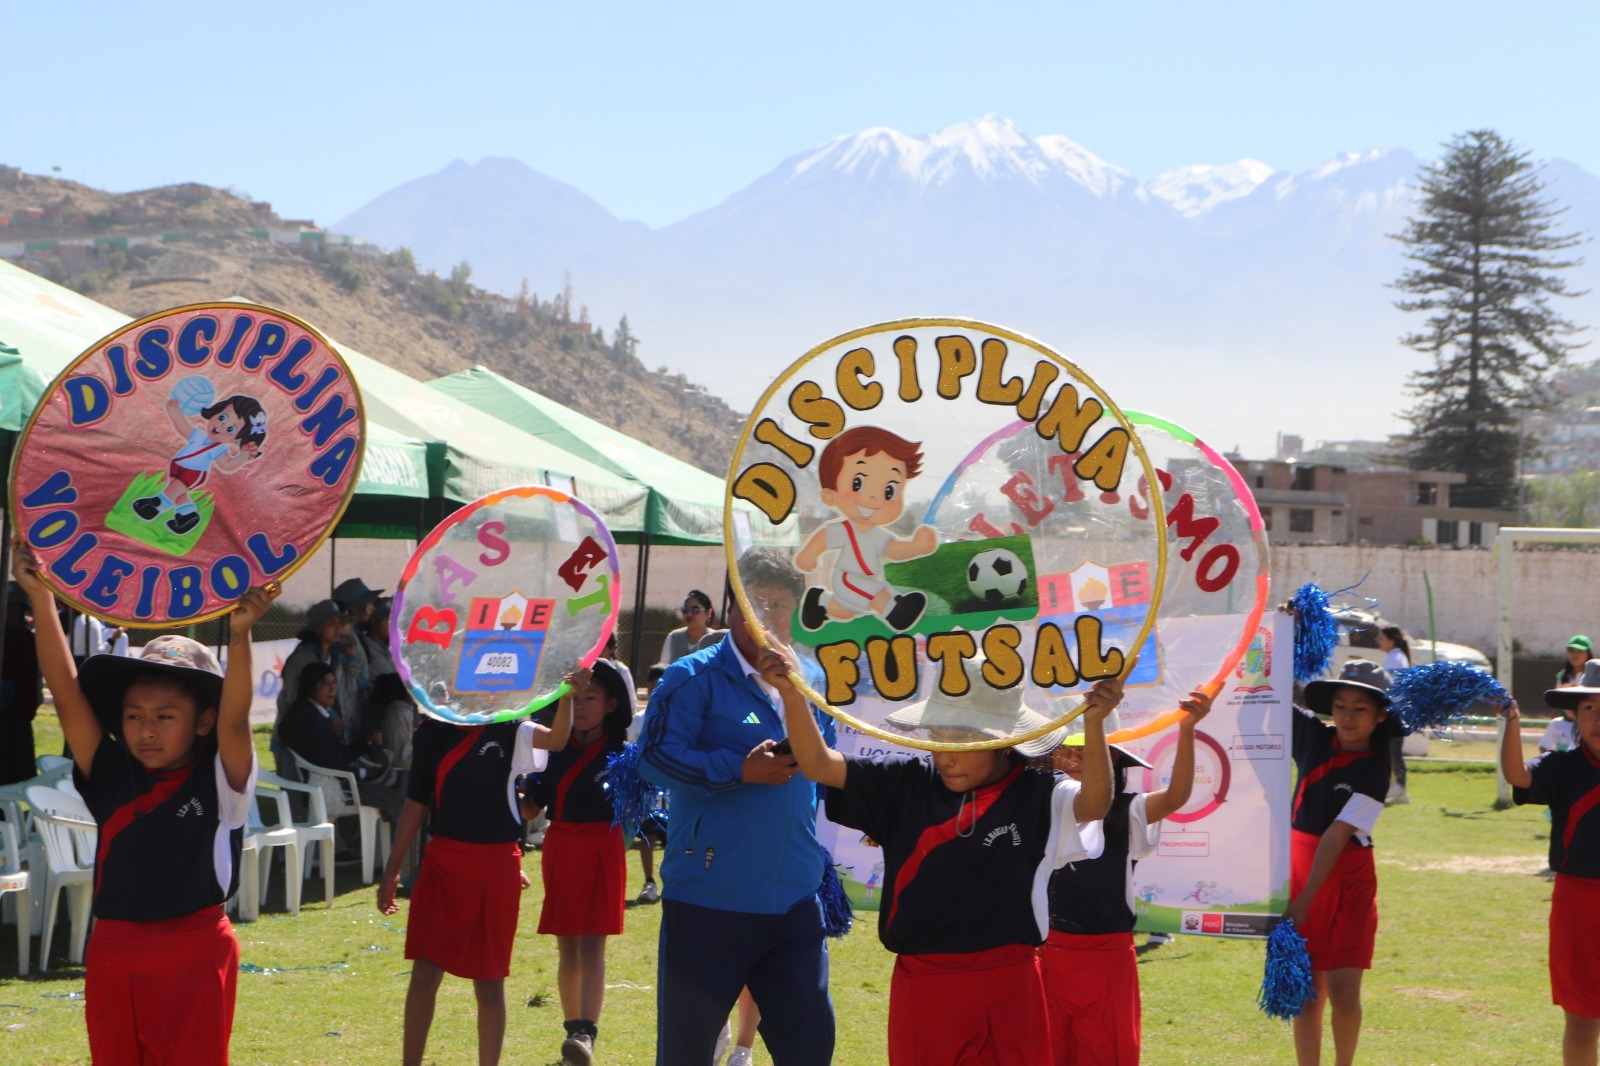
(1505, 545)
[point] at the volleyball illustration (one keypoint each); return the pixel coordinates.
(194, 394)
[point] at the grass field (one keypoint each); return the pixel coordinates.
(1459, 975)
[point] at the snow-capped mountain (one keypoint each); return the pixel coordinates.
(1237, 298)
(1194, 190)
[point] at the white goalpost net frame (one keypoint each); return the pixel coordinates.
(1505, 544)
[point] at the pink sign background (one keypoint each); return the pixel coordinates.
(186, 457)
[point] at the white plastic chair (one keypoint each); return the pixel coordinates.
(69, 842)
(256, 870)
(245, 904)
(343, 799)
(13, 878)
(50, 763)
(315, 829)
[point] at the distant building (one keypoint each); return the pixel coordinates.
(1326, 503)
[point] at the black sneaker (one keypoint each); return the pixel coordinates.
(812, 613)
(148, 507)
(183, 522)
(577, 1049)
(907, 609)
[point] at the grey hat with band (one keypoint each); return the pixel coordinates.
(1567, 699)
(1362, 674)
(104, 678)
(987, 711)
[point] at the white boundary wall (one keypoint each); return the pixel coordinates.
(1554, 593)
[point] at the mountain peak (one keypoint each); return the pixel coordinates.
(991, 148)
(1194, 190)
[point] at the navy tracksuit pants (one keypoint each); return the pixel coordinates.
(706, 956)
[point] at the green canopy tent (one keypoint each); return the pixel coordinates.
(471, 453)
(44, 327)
(685, 504)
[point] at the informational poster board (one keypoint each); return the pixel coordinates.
(1222, 865)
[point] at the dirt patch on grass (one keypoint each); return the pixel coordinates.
(1445, 994)
(1476, 864)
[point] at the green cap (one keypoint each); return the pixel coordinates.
(1581, 641)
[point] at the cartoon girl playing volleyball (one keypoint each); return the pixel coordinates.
(220, 436)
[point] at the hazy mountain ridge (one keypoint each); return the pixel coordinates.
(1182, 293)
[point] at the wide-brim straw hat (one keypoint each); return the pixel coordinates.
(989, 712)
(104, 678)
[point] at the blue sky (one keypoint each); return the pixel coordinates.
(659, 110)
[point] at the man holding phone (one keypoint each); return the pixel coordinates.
(742, 864)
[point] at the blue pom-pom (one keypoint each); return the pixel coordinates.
(837, 914)
(1286, 982)
(1316, 633)
(1428, 696)
(634, 800)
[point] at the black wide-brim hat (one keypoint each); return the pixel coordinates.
(607, 677)
(1360, 674)
(1567, 699)
(104, 678)
(353, 594)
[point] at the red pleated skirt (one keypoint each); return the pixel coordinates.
(981, 1008)
(585, 879)
(1342, 925)
(1091, 985)
(464, 908)
(1575, 945)
(158, 993)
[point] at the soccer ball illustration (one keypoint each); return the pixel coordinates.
(194, 394)
(996, 575)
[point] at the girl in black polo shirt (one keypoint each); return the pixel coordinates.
(969, 841)
(1091, 974)
(1343, 770)
(1569, 783)
(583, 859)
(468, 892)
(165, 762)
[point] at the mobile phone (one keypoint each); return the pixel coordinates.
(783, 747)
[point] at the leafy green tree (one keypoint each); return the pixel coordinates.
(1566, 501)
(625, 344)
(1487, 265)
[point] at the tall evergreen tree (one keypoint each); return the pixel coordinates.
(1487, 262)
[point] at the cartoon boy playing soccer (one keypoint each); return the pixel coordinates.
(863, 472)
(220, 436)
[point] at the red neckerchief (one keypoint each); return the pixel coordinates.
(1586, 803)
(932, 837)
(1337, 761)
(167, 782)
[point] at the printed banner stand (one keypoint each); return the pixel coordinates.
(184, 458)
(501, 601)
(1036, 565)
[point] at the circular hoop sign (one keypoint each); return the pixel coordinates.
(978, 616)
(1216, 583)
(501, 601)
(186, 457)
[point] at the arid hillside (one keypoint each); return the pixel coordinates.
(142, 252)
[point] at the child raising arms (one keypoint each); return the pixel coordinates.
(465, 903)
(1333, 881)
(969, 842)
(1568, 782)
(164, 759)
(583, 860)
(1091, 974)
